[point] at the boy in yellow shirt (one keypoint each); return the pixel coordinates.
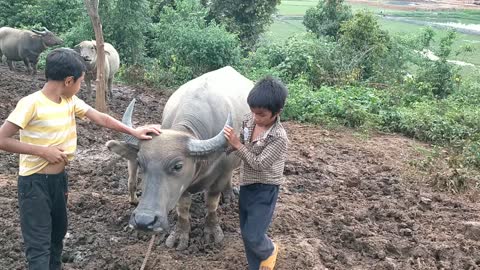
(48, 140)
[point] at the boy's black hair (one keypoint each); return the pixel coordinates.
(268, 93)
(62, 63)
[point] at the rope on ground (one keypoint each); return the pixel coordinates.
(148, 252)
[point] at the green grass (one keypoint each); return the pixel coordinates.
(298, 8)
(458, 16)
(281, 29)
(292, 8)
(284, 27)
(396, 27)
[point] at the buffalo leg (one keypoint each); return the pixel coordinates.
(88, 81)
(109, 88)
(212, 226)
(10, 65)
(227, 193)
(34, 66)
(132, 182)
(27, 65)
(182, 229)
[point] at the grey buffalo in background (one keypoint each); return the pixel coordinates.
(88, 50)
(25, 45)
(187, 157)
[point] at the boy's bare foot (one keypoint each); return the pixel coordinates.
(269, 263)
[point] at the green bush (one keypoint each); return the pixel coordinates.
(365, 43)
(246, 18)
(348, 106)
(436, 121)
(325, 19)
(129, 23)
(320, 61)
(185, 46)
(439, 78)
(57, 15)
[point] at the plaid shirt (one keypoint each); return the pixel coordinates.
(263, 160)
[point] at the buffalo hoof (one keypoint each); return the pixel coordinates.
(213, 232)
(180, 237)
(229, 195)
(134, 201)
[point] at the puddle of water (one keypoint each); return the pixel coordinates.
(402, 3)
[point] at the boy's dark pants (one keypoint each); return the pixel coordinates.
(43, 218)
(257, 203)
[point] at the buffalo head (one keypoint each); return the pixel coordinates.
(169, 165)
(49, 38)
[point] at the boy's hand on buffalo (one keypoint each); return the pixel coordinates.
(231, 137)
(54, 154)
(142, 132)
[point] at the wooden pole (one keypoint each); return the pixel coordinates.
(100, 83)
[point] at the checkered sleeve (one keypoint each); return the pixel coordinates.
(273, 151)
(229, 149)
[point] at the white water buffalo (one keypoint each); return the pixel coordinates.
(88, 50)
(187, 157)
(25, 45)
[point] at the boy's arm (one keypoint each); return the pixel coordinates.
(272, 152)
(107, 121)
(7, 143)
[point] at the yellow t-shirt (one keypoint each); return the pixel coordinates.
(46, 123)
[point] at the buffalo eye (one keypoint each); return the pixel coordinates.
(178, 167)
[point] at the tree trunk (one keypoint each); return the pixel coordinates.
(100, 82)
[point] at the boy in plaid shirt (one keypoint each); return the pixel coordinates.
(262, 146)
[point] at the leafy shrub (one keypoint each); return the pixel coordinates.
(436, 121)
(320, 61)
(364, 41)
(325, 19)
(247, 18)
(129, 23)
(439, 78)
(57, 15)
(185, 46)
(348, 106)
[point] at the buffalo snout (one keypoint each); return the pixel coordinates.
(148, 221)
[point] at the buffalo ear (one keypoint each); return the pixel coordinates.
(123, 149)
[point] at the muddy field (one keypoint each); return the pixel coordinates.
(346, 204)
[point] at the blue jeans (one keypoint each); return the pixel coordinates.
(257, 204)
(42, 200)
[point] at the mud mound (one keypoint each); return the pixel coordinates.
(344, 205)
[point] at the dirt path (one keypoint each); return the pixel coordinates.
(345, 204)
